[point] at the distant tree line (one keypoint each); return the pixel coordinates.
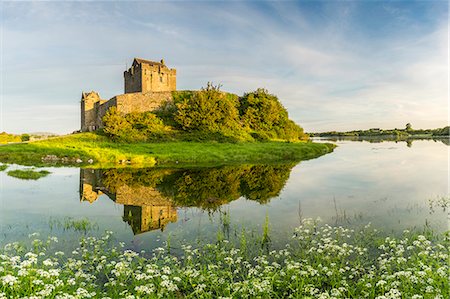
(10, 138)
(408, 131)
(208, 114)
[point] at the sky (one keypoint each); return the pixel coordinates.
(335, 65)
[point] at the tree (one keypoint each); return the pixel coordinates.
(409, 127)
(208, 110)
(25, 137)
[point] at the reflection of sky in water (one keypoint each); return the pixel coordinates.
(387, 184)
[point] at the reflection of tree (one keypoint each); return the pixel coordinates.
(209, 188)
(150, 195)
(202, 187)
(445, 141)
(262, 182)
(117, 177)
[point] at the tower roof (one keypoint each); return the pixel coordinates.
(140, 61)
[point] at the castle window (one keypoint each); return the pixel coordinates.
(160, 79)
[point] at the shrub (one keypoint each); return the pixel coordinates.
(263, 113)
(25, 137)
(208, 110)
(132, 127)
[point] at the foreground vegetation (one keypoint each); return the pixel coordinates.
(28, 174)
(90, 148)
(319, 262)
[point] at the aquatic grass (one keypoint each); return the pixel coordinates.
(28, 174)
(322, 261)
(94, 149)
(83, 225)
(442, 202)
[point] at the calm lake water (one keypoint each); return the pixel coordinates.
(392, 185)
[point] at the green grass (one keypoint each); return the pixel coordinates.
(89, 148)
(3, 167)
(28, 174)
(320, 261)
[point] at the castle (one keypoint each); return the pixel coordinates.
(144, 208)
(148, 84)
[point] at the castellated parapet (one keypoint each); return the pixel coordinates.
(148, 84)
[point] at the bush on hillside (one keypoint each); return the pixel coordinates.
(263, 113)
(208, 110)
(207, 114)
(132, 127)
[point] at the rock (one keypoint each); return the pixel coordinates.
(90, 161)
(79, 161)
(50, 158)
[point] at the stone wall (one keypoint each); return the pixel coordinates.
(145, 77)
(141, 102)
(93, 110)
(133, 80)
(90, 102)
(158, 78)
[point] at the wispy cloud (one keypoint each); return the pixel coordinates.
(334, 65)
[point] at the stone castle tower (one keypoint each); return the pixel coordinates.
(144, 76)
(144, 208)
(148, 84)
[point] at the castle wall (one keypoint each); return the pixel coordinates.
(147, 85)
(89, 107)
(158, 78)
(141, 102)
(133, 79)
(101, 111)
(92, 113)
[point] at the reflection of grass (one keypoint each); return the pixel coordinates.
(68, 223)
(442, 202)
(3, 167)
(320, 261)
(78, 149)
(28, 174)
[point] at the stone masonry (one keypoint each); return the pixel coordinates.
(148, 84)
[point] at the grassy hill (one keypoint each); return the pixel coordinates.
(94, 149)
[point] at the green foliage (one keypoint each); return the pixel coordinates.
(132, 127)
(3, 167)
(263, 114)
(208, 110)
(208, 188)
(102, 151)
(7, 138)
(68, 223)
(408, 127)
(442, 132)
(261, 111)
(25, 137)
(320, 261)
(206, 115)
(398, 133)
(28, 174)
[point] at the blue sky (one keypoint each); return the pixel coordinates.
(335, 65)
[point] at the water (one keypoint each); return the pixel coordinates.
(388, 184)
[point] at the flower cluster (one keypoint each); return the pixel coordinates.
(320, 262)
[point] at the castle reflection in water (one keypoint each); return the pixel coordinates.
(151, 196)
(145, 209)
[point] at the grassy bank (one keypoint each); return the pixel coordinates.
(28, 174)
(93, 149)
(321, 261)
